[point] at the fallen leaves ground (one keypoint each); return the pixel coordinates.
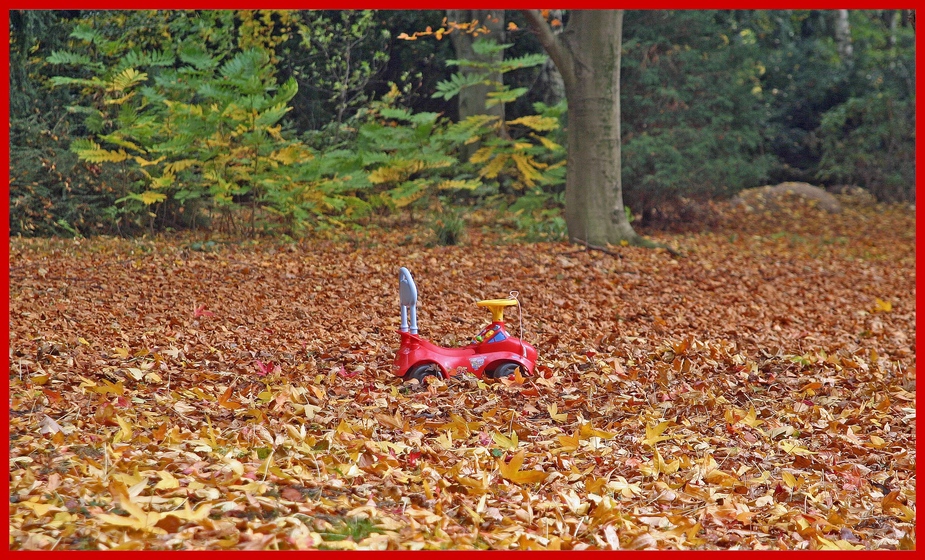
(758, 392)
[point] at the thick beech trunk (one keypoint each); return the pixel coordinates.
(587, 55)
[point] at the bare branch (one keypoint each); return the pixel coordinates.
(554, 47)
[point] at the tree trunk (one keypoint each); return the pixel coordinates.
(588, 57)
(843, 36)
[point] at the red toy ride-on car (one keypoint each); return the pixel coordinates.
(492, 353)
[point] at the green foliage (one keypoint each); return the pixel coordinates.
(51, 191)
(511, 151)
(407, 156)
(448, 226)
(537, 215)
(869, 141)
(690, 108)
(834, 118)
(123, 120)
(207, 128)
(338, 55)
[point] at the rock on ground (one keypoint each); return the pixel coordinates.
(769, 197)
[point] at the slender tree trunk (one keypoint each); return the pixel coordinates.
(587, 55)
(472, 99)
(843, 36)
(895, 17)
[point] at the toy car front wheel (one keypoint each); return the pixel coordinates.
(421, 371)
(506, 369)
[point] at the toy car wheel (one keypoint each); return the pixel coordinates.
(422, 371)
(506, 369)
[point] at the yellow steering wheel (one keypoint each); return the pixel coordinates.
(496, 306)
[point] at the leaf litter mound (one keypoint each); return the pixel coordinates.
(757, 393)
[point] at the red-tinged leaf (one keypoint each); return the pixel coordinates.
(263, 369)
(343, 372)
(54, 397)
(202, 312)
(530, 392)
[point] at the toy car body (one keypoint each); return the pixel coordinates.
(493, 352)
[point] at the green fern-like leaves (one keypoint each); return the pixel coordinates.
(126, 79)
(448, 89)
(89, 150)
(72, 58)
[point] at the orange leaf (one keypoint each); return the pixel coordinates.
(229, 404)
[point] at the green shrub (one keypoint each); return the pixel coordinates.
(692, 108)
(870, 142)
(448, 227)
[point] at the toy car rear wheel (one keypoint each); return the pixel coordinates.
(419, 372)
(506, 369)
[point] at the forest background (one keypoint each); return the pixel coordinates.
(284, 122)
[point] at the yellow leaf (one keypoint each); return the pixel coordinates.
(494, 167)
(721, 478)
(481, 155)
(528, 169)
(126, 432)
(789, 479)
(455, 184)
(40, 509)
(188, 514)
(537, 122)
(662, 467)
(505, 442)
(884, 306)
(568, 443)
(554, 413)
(547, 143)
(654, 435)
(751, 419)
(624, 487)
(146, 163)
(167, 481)
(385, 175)
(445, 440)
(792, 448)
(150, 197)
(511, 471)
(586, 431)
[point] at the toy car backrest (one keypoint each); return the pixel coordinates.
(408, 297)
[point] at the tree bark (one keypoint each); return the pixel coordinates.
(587, 55)
(843, 36)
